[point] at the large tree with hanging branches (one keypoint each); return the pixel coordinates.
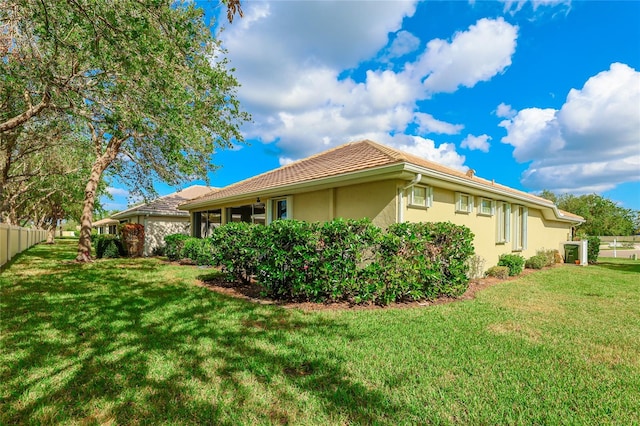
(145, 81)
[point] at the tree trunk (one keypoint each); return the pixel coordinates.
(51, 234)
(100, 165)
(84, 244)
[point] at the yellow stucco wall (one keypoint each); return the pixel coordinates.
(541, 233)
(315, 206)
(375, 200)
(378, 201)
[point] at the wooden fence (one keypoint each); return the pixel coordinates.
(14, 240)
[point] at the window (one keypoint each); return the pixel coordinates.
(520, 215)
(486, 207)
(421, 196)
(464, 203)
(205, 222)
(503, 220)
(280, 209)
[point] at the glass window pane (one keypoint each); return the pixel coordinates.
(419, 195)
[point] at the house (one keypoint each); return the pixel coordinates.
(106, 226)
(160, 217)
(367, 179)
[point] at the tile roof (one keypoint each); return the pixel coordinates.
(349, 158)
(166, 206)
(105, 221)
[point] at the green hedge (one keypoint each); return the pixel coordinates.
(593, 249)
(174, 244)
(341, 260)
(107, 246)
(514, 262)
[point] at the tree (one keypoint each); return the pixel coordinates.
(602, 216)
(145, 79)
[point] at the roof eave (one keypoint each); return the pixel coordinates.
(368, 175)
(481, 186)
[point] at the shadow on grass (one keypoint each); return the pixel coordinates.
(628, 266)
(124, 341)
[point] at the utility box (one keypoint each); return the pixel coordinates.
(576, 252)
(571, 253)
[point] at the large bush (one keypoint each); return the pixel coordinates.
(340, 260)
(514, 262)
(593, 249)
(173, 245)
(234, 246)
(107, 246)
(198, 250)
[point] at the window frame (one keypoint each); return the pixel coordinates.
(428, 196)
(503, 222)
(492, 207)
(459, 197)
(520, 219)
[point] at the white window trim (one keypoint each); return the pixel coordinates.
(492, 212)
(271, 204)
(459, 208)
(520, 219)
(503, 222)
(428, 198)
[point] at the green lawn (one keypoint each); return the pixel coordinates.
(137, 342)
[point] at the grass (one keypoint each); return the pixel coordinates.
(137, 342)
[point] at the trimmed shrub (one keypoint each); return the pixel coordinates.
(593, 249)
(514, 262)
(199, 251)
(107, 246)
(173, 245)
(341, 260)
(236, 248)
(501, 272)
(418, 261)
(538, 261)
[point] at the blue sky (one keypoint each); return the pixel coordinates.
(534, 94)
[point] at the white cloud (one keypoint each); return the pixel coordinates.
(426, 148)
(475, 55)
(428, 124)
(480, 143)
(294, 62)
(505, 111)
(515, 6)
(591, 143)
(117, 192)
(404, 43)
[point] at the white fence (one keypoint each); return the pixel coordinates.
(14, 239)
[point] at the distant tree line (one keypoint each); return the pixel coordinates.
(603, 217)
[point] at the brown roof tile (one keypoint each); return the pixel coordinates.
(167, 205)
(347, 158)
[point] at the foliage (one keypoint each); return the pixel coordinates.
(199, 250)
(132, 237)
(173, 245)
(593, 249)
(145, 84)
(501, 272)
(236, 248)
(602, 216)
(108, 246)
(514, 262)
(537, 261)
(542, 259)
(350, 260)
